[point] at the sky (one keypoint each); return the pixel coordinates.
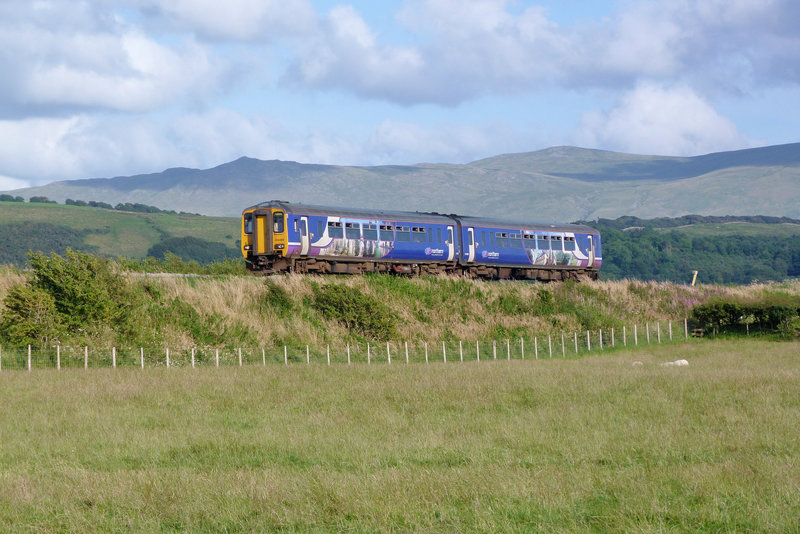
(109, 88)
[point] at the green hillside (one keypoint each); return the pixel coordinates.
(54, 227)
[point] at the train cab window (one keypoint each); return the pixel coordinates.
(543, 242)
(418, 234)
(515, 240)
(335, 230)
(569, 244)
(352, 230)
(529, 240)
(371, 232)
(277, 222)
(248, 223)
(387, 232)
(403, 233)
(555, 242)
(501, 238)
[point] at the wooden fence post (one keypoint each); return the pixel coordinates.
(550, 345)
(658, 330)
(167, 358)
(478, 350)
(601, 339)
(216, 356)
(460, 351)
(522, 347)
(192, 357)
(264, 356)
(685, 328)
(624, 336)
(58, 357)
(308, 357)
(29, 358)
(1, 357)
(635, 335)
(85, 357)
(328, 352)
(426, 352)
(576, 342)
(240, 356)
(563, 350)
(588, 341)
(405, 344)
(285, 356)
(369, 356)
(613, 341)
(348, 354)
(444, 352)
(388, 354)
(647, 331)
(508, 348)
(114, 357)
(141, 356)
(536, 346)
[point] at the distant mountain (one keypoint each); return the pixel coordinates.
(559, 183)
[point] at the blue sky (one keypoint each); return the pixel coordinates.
(117, 87)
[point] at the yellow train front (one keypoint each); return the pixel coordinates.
(264, 237)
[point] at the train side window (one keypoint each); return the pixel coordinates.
(543, 242)
(569, 243)
(515, 240)
(320, 228)
(403, 234)
(555, 242)
(438, 235)
(335, 230)
(387, 232)
(529, 240)
(248, 223)
(371, 232)
(352, 230)
(491, 238)
(502, 239)
(277, 222)
(418, 234)
(483, 238)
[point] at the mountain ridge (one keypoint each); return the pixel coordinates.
(557, 183)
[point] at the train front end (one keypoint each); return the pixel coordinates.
(264, 240)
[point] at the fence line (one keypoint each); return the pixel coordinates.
(417, 351)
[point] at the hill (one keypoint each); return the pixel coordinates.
(51, 227)
(559, 184)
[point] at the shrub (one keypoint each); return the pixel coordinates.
(359, 312)
(30, 317)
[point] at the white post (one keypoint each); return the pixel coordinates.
(588, 341)
(114, 357)
(308, 357)
(29, 358)
(369, 357)
(563, 350)
(508, 348)
(216, 356)
(141, 356)
(624, 335)
(658, 332)
(576, 342)
(167, 358)
(328, 352)
(522, 347)
(601, 339)
(405, 344)
(1, 357)
(647, 330)
(478, 350)
(264, 356)
(494, 348)
(635, 335)
(670, 330)
(58, 357)
(550, 344)
(285, 356)
(613, 341)
(85, 357)
(192, 357)
(426, 352)
(460, 351)
(240, 357)
(444, 352)
(536, 346)
(388, 354)
(686, 328)
(348, 354)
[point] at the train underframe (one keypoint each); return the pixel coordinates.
(306, 265)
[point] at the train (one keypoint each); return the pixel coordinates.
(286, 237)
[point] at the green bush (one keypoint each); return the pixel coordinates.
(276, 298)
(773, 315)
(361, 313)
(30, 317)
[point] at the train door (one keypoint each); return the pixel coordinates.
(305, 242)
(470, 245)
(261, 241)
(451, 244)
(591, 251)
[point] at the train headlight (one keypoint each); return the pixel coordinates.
(279, 247)
(248, 247)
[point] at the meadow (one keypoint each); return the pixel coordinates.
(593, 444)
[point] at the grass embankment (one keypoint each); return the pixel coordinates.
(595, 444)
(246, 311)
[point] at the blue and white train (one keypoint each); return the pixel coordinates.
(289, 237)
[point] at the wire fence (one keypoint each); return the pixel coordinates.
(553, 345)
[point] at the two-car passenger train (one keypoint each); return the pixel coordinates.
(289, 237)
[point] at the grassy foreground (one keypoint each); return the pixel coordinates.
(593, 444)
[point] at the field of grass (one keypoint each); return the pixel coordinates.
(117, 233)
(591, 444)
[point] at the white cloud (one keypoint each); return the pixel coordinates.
(653, 119)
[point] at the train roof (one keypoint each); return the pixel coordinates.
(417, 216)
